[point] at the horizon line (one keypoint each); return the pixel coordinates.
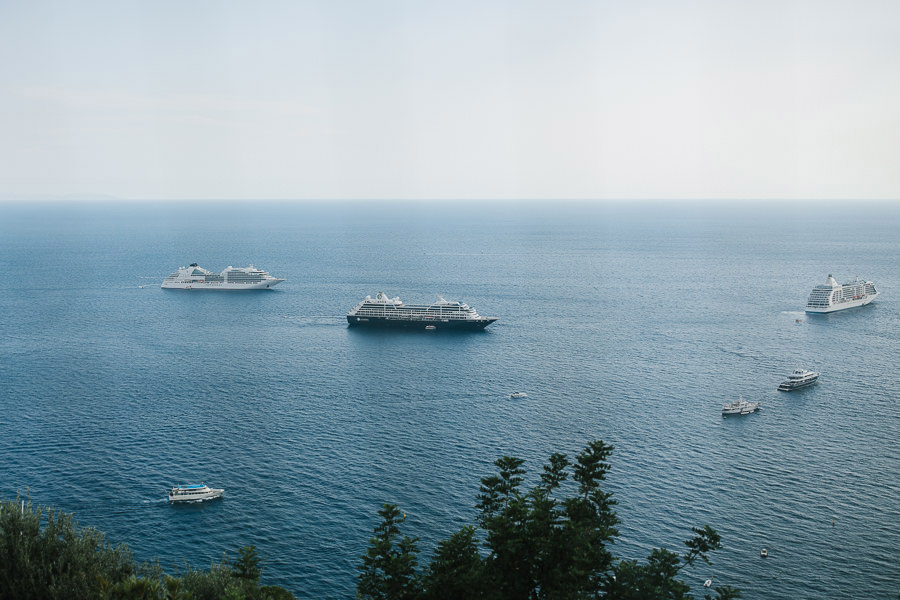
(102, 198)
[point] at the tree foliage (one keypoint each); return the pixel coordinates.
(389, 566)
(45, 555)
(552, 541)
(456, 570)
(246, 567)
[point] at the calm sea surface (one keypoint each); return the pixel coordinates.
(629, 324)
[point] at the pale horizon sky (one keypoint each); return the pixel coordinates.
(500, 100)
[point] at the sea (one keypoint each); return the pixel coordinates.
(627, 322)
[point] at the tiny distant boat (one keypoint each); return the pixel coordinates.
(739, 407)
(430, 327)
(832, 296)
(518, 395)
(799, 320)
(194, 493)
(707, 583)
(764, 553)
(798, 379)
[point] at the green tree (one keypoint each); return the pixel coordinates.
(503, 514)
(45, 556)
(541, 545)
(388, 571)
(246, 567)
(657, 579)
(456, 570)
(550, 542)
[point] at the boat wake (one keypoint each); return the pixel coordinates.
(315, 320)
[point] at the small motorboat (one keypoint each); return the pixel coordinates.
(518, 395)
(707, 583)
(764, 552)
(430, 328)
(739, 407)
(193, 493)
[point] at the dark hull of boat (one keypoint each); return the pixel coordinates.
(429, 324)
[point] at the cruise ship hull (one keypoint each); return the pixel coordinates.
(201, 285)
(842, 305)
(424, 324)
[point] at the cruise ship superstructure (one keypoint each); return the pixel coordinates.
(382, 311)
(832, 296)
(197, 278)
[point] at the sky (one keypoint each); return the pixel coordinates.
(487, 99)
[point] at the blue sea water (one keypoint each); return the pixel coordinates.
(629, 323)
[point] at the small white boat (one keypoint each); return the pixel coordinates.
(194, 493)
(518, 395)
(764, 552)
(430, 327)
(739, 407)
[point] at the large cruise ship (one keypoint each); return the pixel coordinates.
(382, 311)
(832, 296)
(197, 278)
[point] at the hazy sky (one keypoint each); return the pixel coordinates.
(426, 99)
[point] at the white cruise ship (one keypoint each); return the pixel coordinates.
(196, 278)
(832, 296)
(382, 311)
